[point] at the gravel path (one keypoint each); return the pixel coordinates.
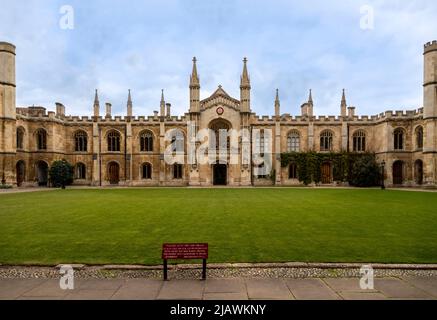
(214, 271)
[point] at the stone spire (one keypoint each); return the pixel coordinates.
(96, 104)
(194, 89)
(129, 105)
(310, 104)
(310, 97)
(162, 104)
(245, 89)
(343, 104)
(245, 81)
(194, 78)
(277, 104)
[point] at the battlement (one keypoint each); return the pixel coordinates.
(430, 46)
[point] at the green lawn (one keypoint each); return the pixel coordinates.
(127, 226)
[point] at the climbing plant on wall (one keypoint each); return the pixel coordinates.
(344, 166)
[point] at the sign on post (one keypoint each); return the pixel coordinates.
(185, 251)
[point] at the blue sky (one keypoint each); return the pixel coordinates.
(148, 45)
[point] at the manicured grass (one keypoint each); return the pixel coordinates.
(127, 226)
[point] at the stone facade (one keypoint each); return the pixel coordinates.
(130, 150)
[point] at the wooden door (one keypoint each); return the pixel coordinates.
(398, 175)
(326, 173)
(220, 174)
(113, 173)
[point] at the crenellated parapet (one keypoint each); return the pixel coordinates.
(286, 118)
(430, 46)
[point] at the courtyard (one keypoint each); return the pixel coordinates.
(129, 226)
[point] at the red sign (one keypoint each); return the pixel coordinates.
(185, 251)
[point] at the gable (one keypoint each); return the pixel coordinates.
(220, 97)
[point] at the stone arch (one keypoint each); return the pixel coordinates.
(113, 172)
(398, 172)
(42, 172)
(146, 170)
(21, 132)
(216, 126)
(418, 171)
(20, 172)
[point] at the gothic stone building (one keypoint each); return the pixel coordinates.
(129, 150)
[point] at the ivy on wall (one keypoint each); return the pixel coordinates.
(346, 166)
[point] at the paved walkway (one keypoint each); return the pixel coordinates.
(36, 189)
(219, 289)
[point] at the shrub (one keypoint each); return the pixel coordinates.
(61, 174)
(365, 172)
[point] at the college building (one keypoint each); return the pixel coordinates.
(130, 150)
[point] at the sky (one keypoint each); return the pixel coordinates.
(147, 46)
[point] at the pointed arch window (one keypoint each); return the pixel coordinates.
(293, 141)
(398, 139)
(146, 141)
(260, 141)
(81, 141)
(359, 141)
(20, 138)
(41, 139)
(114, 141)
(147, 171)
(80, 171)
(177, 142)
(326, 140)
(419, 137)
(177, 171)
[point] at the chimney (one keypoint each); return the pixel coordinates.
(155, 114)
(108, 109)
(304, 109)
(168, 105)
(351, 112)
(60, 109)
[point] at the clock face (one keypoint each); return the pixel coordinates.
(220, 111)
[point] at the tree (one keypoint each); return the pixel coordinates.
(365, 172)
(61, 173)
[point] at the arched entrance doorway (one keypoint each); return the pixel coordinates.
(42, 173)
(113, 173)
(418, 171)
(220, 174)
(20, 172)
(398, 172)
(326, 173)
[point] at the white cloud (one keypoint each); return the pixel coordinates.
(291, 45)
